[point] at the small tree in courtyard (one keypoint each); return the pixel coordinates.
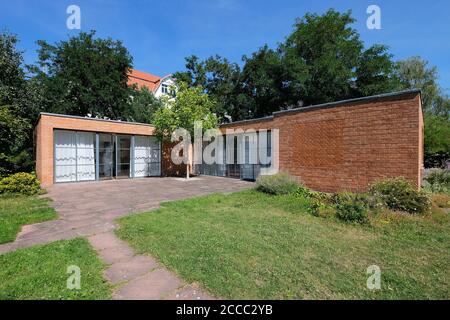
(190, 106)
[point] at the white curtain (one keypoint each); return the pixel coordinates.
(141, 156)
(65, 156)
(85, 156)
(74, 156)
(146, 156)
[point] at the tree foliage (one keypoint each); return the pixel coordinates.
(14, 138)
(85, 76)
(415, 73)
(322, 60)
(190, 105)
(15, 101)
(12, 77)
(219, 78)
(143, 106)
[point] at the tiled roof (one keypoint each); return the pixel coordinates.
(143, 79)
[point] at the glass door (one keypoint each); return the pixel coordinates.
(105, 156)
(123, 156)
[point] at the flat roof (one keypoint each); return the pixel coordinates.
(88, 118)
(328, 105)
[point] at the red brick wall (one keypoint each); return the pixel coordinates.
(168, 167)
(348, 146)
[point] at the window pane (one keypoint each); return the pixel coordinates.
(123, 170)
(124, 142)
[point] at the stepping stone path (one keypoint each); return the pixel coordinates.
(140, 277)
(88, 209)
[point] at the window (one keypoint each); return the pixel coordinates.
(165, 88)
(74, 156)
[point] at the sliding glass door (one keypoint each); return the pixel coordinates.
(86, 156)
(105, 156)
(123, 156)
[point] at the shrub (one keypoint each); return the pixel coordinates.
(303, 191)
(279, 183)
(20, 183)
(351, 207)
(439, 180)
(320, 209)
(399, 194)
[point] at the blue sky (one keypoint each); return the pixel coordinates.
(159, 34)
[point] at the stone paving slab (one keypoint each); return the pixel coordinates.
(152, 286)
(116, 254)
(128, 270)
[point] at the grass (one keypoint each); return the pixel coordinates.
(16, 211)
(248, 245)
(40, 272)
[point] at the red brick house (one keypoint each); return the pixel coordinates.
(343, 145)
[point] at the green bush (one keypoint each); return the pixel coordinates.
(399, 194)
(321, 209)
(439, 180)
(279, 183)
(351, 207)
(20, 183)
(303, 192)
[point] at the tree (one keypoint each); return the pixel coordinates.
(190, 105)
(264, 83)
(329, 49)
(414, 73)
(375, 72)
(219, 78)
(16, 100)
(12, 77)
(14, 135)
(330, 54)
(85, 76)
(143, 106)
(437, 140)
(322, 60)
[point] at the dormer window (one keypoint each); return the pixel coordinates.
(165, 88)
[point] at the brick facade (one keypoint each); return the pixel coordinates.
(348, 145)
(339, 146)
(44, 137)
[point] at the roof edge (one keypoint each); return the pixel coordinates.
(328, 105)
(87, 118)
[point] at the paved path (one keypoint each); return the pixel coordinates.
(89, 208)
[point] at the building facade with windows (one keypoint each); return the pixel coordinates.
(344, 145)
(73, 149)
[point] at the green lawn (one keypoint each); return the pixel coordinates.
(40, 272)
(254, 246)
(16, 211)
